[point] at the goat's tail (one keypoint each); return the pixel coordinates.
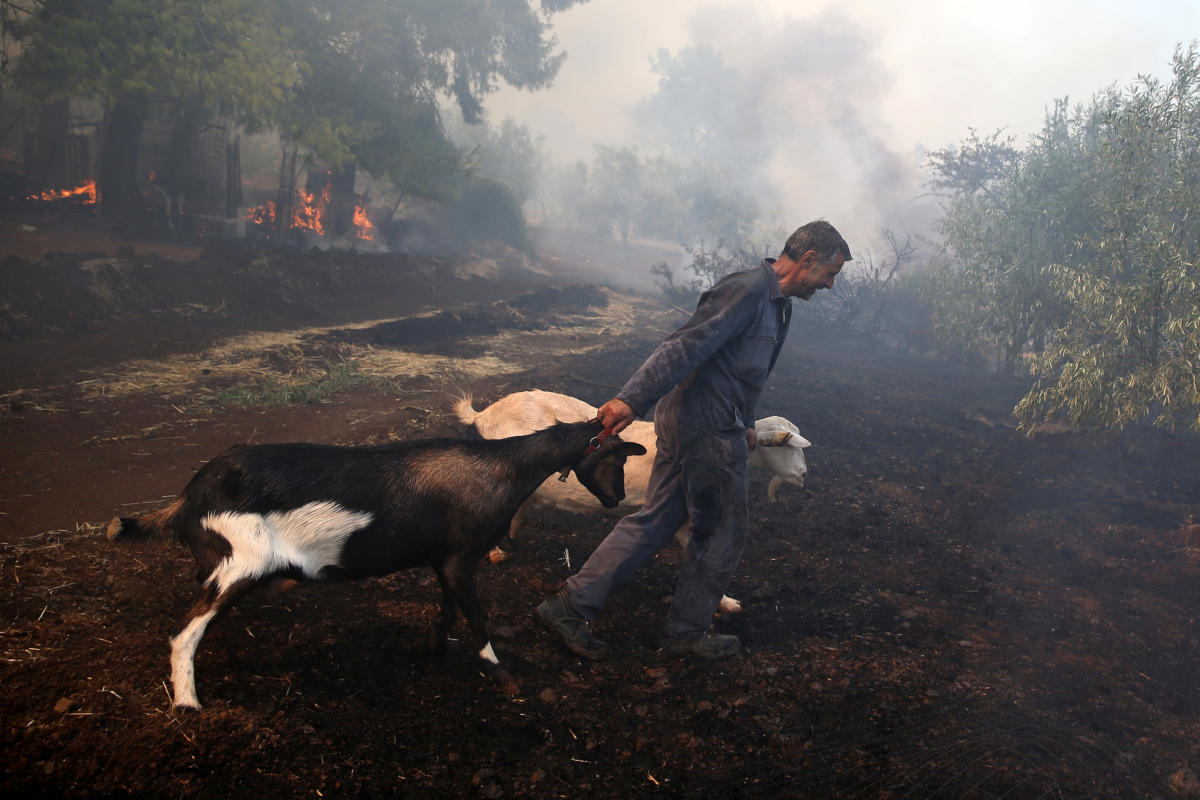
(157, 523)
(464, 409)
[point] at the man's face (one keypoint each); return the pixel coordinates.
(816, 274)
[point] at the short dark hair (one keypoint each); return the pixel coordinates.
(818, 235)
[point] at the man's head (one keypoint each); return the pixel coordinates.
(811, 259)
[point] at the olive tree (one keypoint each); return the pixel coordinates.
(1129, 347)
(1077, 256)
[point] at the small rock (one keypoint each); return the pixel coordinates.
(65, 705)
(1184, 782)
(548, 696)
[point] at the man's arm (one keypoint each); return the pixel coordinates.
(724, 311)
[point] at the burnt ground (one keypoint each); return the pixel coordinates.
(949, 609)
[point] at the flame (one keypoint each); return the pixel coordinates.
(362, 223)
(309, 213)
(86, 190)
(263, 215)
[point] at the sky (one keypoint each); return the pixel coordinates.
(852, 94)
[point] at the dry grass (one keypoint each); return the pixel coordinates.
(282, 366)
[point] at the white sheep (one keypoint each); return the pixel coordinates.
(780, 449)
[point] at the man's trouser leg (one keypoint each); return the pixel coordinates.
(634, 540)
(713, 478)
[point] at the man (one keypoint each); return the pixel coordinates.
(709, 374)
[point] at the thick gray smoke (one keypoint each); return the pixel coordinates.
(810, 95)
(792, 113)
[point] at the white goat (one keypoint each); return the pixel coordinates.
(780, 449)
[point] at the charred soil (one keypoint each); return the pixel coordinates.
(948, 609)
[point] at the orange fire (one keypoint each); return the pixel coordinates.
(362, 223)
(264, 214)
(309, 213)
(85, 190)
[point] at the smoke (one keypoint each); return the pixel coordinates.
(793, 110)
(811, 96)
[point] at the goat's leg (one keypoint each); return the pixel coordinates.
(444, 621)
(496, 555)
(212, 603)
(461, 581)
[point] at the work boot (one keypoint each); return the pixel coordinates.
(561, 618)
(709, 645)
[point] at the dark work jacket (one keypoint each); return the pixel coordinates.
(713, 367)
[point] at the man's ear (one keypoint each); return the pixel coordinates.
(809, 259)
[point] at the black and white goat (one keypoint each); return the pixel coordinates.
(310, 511)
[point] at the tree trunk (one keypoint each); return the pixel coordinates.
(342, 201)
(286, 192)
(120, 199)
(46, 165)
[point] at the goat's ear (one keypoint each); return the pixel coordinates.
(800, 441)
(774, 438)
(631, 449)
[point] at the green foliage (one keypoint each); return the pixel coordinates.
(1079, 255)
(232, 55)
(1129, 348)
(999, 214)
(487, 211)
(508, 154)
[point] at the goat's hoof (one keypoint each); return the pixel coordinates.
(497, 555)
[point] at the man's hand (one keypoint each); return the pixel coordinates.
(615, 414)
(751, 438)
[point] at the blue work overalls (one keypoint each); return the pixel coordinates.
(711, 370)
